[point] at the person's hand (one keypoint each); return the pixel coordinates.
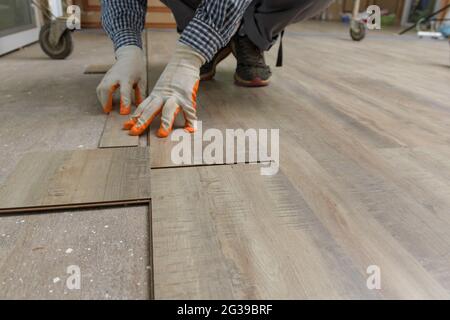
(128, 73)
(175, 91)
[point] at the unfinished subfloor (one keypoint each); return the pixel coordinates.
(364, 179)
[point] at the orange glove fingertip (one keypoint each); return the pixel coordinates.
(129, 124)
(107, 108)
(189, 129)
(162, 133)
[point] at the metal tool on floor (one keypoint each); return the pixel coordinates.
(55, 37)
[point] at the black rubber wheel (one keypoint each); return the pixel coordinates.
(359, 33)
(62, 50)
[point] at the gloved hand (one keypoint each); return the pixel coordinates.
(175, 91)
(129, 72)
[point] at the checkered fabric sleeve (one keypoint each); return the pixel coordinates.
(215, 22)
(212, 27)
(124, 21)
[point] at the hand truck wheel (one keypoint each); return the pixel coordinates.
(62, 49)
(358, 30)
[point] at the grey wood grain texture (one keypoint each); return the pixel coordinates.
(110, 247)
(229, 233)
(210, 112)
(363, 145)
(75, 178)
(97, 68)
(113, 136)
(364, 142)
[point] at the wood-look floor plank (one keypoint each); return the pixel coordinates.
(81, 177)
(363, 136)
(362, 221)
(113, 136)
(97, 68)
(229, 233)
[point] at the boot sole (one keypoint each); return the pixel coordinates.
(222, 56)
(255, 83)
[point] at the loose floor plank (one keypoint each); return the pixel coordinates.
(360, 143)
(113, 136)
(211, 110)
(164, 149)
(84, 178)
(97, 68)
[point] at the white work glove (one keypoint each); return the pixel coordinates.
(129, 73)
(175, 91)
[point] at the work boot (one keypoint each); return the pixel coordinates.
(251, 70)
(208, 70)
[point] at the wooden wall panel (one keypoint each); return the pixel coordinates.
(158, 15)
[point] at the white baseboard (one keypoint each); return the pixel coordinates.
(17, 40)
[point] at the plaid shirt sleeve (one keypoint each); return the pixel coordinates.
(124, 21)
(212, 27)
(215, 22)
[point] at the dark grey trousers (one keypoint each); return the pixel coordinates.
(263, 21)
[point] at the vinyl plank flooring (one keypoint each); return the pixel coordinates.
(77, 178)
(362, 144)
(167, 153)
(375, 223)
(113, 136)
(97, 68)
(229, 233)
